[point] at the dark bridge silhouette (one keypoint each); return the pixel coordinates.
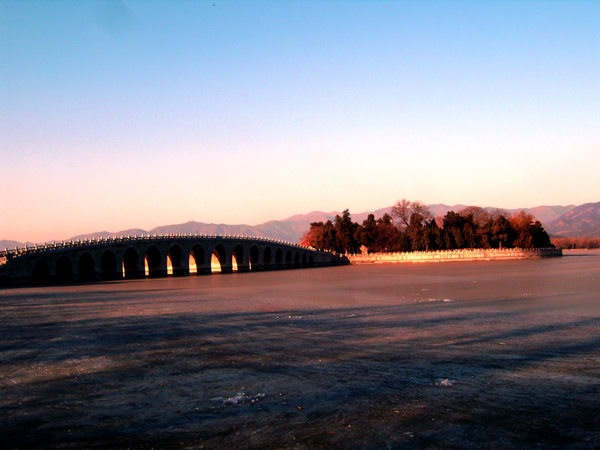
(116, 258)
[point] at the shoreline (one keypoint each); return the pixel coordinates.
(454, 255)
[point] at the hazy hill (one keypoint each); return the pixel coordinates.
(546, 214)
(569, 221)
(583, 221)
(99, 234)
(315, 216)
(12, 244)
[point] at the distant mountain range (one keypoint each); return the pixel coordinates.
(582, 221)
(560, 221)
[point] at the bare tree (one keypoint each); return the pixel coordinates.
(478, 214)
(497, 212)
(403, 210)
(422, 209)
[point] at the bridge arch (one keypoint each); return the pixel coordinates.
(40, 273)
(237, 259)
(218, 259)
(268, 257)
(63, 270)
(131, 264)
(153, 262)
(254, 258)
(86, 267)
(109, 267)
(288, 259)
(197, 261)
(279, 258)
(304, 260)
(175, 258)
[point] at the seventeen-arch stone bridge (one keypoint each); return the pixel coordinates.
(116, 258)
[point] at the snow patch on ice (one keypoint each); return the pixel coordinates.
(433, 300)
(241, 397)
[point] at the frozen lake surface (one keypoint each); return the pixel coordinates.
(498, 354)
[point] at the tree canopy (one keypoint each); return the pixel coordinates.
(415, 229)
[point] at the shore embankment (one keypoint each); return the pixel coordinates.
(477, 254)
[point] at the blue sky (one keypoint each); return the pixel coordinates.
(144, 113)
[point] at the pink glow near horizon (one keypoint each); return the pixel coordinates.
(119, 115)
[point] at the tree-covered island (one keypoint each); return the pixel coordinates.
(411, 227)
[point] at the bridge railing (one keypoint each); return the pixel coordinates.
(79, 243)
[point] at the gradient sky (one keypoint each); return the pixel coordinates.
(123, 114)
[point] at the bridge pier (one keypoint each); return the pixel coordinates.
(109, 276)
(243, 268)
(227, 269)
(157, 273)
(134, 274)
(96, 276)
(181, 271)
